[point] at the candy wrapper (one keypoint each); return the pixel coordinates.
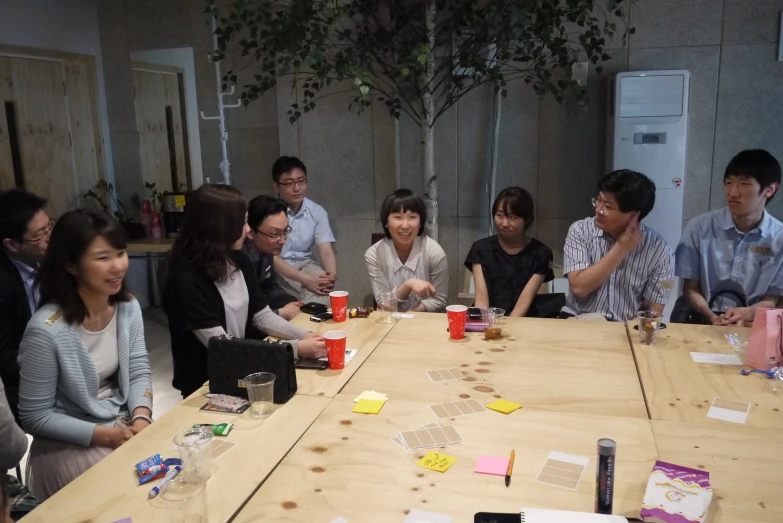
(676, 494)
(221, 429)
(360, 312)
(154, 467)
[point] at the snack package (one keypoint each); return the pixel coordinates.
(221, 429)
(154, 467)
(360, 312)
(228, 403)
(676, 494)
(142, 466)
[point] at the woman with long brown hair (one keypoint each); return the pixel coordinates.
(212, 290)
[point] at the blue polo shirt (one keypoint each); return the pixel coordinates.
(712, 251)
(309, 227)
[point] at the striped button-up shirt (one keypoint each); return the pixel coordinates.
(645, 275)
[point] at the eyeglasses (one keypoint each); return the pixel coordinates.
(43, 235)
(301, 182)
(277, 236)
(600, 206)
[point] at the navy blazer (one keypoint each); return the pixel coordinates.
(14, 315)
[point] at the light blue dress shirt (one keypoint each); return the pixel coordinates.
(28, 275)
(309, 227)
(712, 251)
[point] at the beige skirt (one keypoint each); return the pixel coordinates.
(52, 464)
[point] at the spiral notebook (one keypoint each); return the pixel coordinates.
(538, 515)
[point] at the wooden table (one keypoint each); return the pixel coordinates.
(109, 491)
(346, 466)
(157, 245)
(576, 367)
(364, 335)
(744, 463)
(678, 389)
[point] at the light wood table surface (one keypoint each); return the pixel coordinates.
(346, 466)
(745, 466)
(160, 245)
(364, 335)
(109, 491)
(679, 389)
(566, 366)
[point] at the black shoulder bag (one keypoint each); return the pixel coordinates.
(232, 359)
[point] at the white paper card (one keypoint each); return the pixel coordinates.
(422, 516)
(349, 354)
(720, 359)
(729, 410)
(371, 395)
(338, 520)
(402, 315)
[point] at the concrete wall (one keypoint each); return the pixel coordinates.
(555, 151)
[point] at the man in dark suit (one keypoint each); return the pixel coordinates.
(266, 216)
(24, 237)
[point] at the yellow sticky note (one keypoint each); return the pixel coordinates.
(437, 462)
(368, 406)
(506, 407)
(179, 200)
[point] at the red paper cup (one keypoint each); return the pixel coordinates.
(339, 301)
(335, 348)
(458, 315)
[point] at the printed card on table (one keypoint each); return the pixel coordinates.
(562, 470)
(429, 436)
(457, 408)
(446, 375)
(718, 359)
(729, 410)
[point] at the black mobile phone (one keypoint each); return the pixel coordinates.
(495, 517)
(318, 318)
(311, 364)
(474, 313)
(313, 308)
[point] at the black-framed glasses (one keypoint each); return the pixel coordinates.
(301, 182)
(277, 236)
(44, 234)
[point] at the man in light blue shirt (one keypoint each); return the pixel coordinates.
(737, 247)
(301, 276)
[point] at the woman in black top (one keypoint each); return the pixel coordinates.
(212, 290)
(509, 268)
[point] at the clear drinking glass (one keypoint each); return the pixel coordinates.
(387, 303)
(260, 392)
(195, 450)
(185, 499)
(649, 323)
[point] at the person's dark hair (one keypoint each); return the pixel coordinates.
(17, 208)
(286, 164)
(71, 237)
(403, 200)
(516, 201)
(632, 190)
(757, 164)
(214, 221)
(262, 206)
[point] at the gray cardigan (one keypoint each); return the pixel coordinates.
(14, 441)
(59, 383)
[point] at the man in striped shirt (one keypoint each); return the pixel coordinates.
(615, 265)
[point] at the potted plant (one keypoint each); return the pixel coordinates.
(126, 214)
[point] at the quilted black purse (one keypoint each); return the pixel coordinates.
(231, 359)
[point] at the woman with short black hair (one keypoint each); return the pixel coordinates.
(407, 262)
(85, 385)
(510, 267)
(212, 290)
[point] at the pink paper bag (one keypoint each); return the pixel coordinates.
(765, 348)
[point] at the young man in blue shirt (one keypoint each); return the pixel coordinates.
(302, 277)
(739, 246)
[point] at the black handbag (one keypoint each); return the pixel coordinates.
(232, 359)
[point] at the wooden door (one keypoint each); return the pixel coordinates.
(32, 92)
(160, 127)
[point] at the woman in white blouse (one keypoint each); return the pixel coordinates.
(411, 265)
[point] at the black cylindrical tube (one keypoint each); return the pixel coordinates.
(604, 476)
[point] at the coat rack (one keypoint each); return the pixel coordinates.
(225, 164)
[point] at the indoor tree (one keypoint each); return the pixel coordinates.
(418, 57)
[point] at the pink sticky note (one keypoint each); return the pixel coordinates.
(126, 520)
(491, 465)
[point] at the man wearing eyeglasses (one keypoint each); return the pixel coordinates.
(301, 275)
(615, 265)
(268, 222)
(24, 236)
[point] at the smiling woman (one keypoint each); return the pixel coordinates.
(83, 363)
(411, 265)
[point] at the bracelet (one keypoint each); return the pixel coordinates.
(141, 416)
